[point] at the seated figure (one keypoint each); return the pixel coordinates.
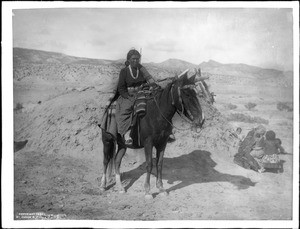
(245, 155)
(271, 148)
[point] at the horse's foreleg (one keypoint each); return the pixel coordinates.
(118, 159)
(148, 155)
(159, 164)
(103, 179)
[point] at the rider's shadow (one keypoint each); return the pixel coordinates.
(193, 168)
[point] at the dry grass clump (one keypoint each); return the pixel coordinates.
(285, 106)
(238, 117)
(250, 105)
(230, 106)
(19, 106)
(285, 123)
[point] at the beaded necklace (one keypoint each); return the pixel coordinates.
(137, 73)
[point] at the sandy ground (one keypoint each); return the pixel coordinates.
(58, 172)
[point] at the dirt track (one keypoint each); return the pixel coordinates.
(198, 189)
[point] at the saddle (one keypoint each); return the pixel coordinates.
(146, 93)
(108, 123)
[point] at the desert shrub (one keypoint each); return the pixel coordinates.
(18, 107)
(285, 106)
(250, 105)
(238, 117)
(285, 123)
(231, 106)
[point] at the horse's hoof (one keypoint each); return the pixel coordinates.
(163, 193)
(148, 196)
(121, 191)
(102, 189)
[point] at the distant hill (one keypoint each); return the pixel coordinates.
(166, 68)
(242, 70)
(177, 65)
(21, 55)
(210, 64)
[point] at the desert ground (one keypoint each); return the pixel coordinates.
(57, 173)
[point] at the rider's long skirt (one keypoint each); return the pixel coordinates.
(124, 112)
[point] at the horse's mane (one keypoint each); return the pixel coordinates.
(164, 92)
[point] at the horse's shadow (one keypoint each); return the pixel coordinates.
(195, 167)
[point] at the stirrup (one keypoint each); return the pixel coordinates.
(261, 170)
(127, 138)
(128, 141)
(171, 138)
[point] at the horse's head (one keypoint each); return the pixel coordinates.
(186, 101)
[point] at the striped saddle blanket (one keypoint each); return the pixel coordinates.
(274, 158)
(142, 94)
(140, 105)
(270, 161)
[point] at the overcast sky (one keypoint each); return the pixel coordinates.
(261, 37)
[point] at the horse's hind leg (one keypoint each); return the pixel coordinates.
(159, 164)
(118, 159)
(108, 153)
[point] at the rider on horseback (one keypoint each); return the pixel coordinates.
(130, 79)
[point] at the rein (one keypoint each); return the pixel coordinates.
(181, 103)
(173, 103)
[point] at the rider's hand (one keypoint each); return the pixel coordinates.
(131, 98)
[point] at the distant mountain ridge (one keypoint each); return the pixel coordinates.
(214, 67)
(176, 64)
(22, 55)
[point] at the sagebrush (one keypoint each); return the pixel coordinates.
(18, 107)
(231, 106)
(250, 105)
(285, 106)
(238, 117)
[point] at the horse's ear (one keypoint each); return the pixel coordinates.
(183, 77)
(192, 78)
(184, 73)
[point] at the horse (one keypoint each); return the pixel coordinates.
(155, 128)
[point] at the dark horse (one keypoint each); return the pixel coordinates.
(155, 129)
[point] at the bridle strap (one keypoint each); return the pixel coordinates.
(182, 107)
(180, 99)
(173, 103)
(166, 118)
(180, 112)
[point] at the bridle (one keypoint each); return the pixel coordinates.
(180, 112)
